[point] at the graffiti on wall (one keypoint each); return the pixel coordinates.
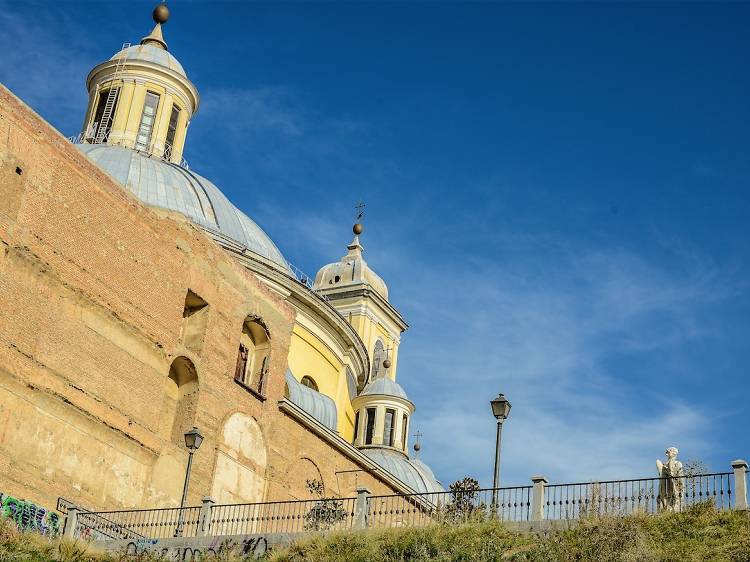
(247, 547)
(28, 516)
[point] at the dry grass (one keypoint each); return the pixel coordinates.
(698, 534)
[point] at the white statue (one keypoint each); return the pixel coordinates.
(671, 485)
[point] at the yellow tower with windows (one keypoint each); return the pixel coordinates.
(141, 98)
(361, 296)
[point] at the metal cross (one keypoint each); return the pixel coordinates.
(417, 435)
(360, 210)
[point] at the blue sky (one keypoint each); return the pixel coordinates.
(557, 197)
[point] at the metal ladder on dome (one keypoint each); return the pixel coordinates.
(102, 129)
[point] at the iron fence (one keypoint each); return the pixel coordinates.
(416, 510)
(139, 523)
(283, 517)
(645, 495)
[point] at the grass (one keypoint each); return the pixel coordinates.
(697, 534)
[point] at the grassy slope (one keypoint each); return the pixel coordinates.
(695, 535)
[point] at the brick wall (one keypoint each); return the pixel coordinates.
(92, 287)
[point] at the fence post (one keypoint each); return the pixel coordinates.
(204, 518)
(71, 522)
(740, 484)
(361, 508)
(537, 497)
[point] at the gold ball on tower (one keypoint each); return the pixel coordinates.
(161, 13)
(358, 228)
(387, 363)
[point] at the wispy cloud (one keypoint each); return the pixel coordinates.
(44, 61)
(555, 342)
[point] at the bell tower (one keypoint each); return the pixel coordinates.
(361, 296)
(141, 98)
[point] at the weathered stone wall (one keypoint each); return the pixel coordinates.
(92, 288)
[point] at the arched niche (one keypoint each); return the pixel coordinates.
(181, 399)
(253, 355)
(297, 477)
(239, 476)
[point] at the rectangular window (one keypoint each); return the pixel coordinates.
(239, 370)
(171, 132)
(370, 426)
(389, 427)
(143, 138)
(404, 432)
(99, 116)
(356, 426)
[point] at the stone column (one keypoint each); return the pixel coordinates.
(537, 497)
(740, 484)
(361, 508)
(204, 518)
(71, 522)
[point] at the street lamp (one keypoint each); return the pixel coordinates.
(501, 410)
(193, 440)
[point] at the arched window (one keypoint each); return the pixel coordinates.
(404, 431)
(378, 356)
(253, 355)
(309, 382)
(181, 399)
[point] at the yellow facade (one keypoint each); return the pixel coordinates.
(309, 356)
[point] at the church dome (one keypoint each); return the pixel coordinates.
(151, 53)
(385, 387)
(351, 271)
(162, 184)
(412, 472)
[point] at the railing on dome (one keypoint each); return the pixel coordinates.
(306, 280)
(89, 135)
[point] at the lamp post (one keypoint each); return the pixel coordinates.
(501, 410)
(193, 440)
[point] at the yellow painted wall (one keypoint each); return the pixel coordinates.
(370, 331)
(127, 118)
(310, 356)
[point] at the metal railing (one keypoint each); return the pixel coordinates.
(138, 524)
(418, 510)
(723, 490)
(296, 516)
(627, 497)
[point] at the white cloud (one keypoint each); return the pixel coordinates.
(549, 341)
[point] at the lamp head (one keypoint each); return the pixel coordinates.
(500, 407)
(193, 439)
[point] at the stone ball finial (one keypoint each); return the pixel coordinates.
(161, 13)
(358, 228)
(387, 363)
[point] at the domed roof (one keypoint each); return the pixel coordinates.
(411, 472)
(152, 53)
(351, 270)
(386, 386)
(166, 185)
(318, 405)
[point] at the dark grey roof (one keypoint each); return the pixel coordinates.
(151, 53)
(385, 386)
(166, 185)
(318, 405)
(412, 472)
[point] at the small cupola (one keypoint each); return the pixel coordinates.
(382, 411)
(352, 270)
(141, 98)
